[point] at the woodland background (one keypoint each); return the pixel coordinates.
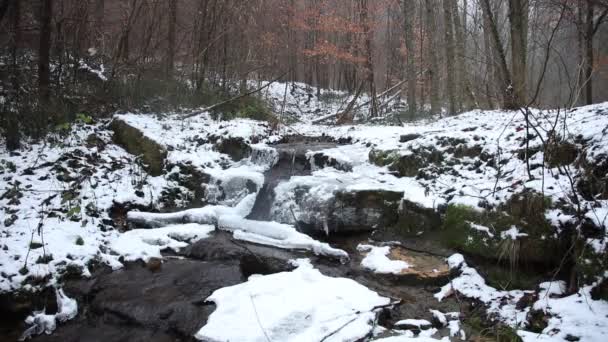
(62, 58)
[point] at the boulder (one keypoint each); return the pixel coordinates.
(516, 232)
(135, 142)
(408, 137)
(253, 259)
(414, 219)
(137, 304)
(406, 165)
(236, 148)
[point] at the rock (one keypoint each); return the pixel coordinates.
(320, 160)
(561, 154)
(16, 306)
(425, 269)
(347, 211)
(135, 142)
(408, 137)
(95, 141)
(593, 184)
(10, 219)
(154, 264)
(363, 210)
(291, 160)
(468, 230)
(406, 165)
(236, 148)
(134, 304)
(253, 259)
(464, 150)
(414, 219)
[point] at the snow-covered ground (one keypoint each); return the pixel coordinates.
(56, 198)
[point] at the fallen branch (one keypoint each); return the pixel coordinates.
(217, 105)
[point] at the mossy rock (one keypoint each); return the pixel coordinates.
(236, 148)
(408, 165)
(593, 184)
(591, 265)
(414, 219)
(353, 211)
(464, 150)
(135, 142)
(561, 154)
(540, 246)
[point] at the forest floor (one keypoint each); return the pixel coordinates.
(155, 227)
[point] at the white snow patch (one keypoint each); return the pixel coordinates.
(376, 260)
(301, 305)
(40, 322)
(148, 243)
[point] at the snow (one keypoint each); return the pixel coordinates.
(512, 233)
(420, 323)
(376, 260)
(47, 214)
(148, 243)
(574, 315)
(40, 322)
(301, 305)
(500, 304)
(277, 235)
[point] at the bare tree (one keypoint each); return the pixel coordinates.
(433, 71)
(449, 56)
(44, 50)
(409, 10)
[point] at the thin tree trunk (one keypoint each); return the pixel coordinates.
(99, 25)
(505, 75)
(171, 39)
(369, 65)
(518, 13)
(431, 26)
(459, 74)
(44, 50)
(409, 10)
(588, 64)
(12, 132)
(449, 56)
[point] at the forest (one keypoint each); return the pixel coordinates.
(304, 170)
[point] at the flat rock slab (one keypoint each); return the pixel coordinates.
(424, 267)
(252, 258)
(136, 304)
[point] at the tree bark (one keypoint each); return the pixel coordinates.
(11, 129)
(44, 50)
(518, 18)
(409, 10)
(449, 56)
(369, 65)
(431, 26)
(100, 7)
(459, 74)
(588, 53)
(170, 63)
(505, 74)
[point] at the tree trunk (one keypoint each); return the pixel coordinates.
(431, 26)
(518, 13)
(588, 53)
(369, 65)
(99, 25)
(409, 10)
(505, 75)
(449, 56)
(44, 50)
(170, 63)
(11, 129)
(459, 74)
